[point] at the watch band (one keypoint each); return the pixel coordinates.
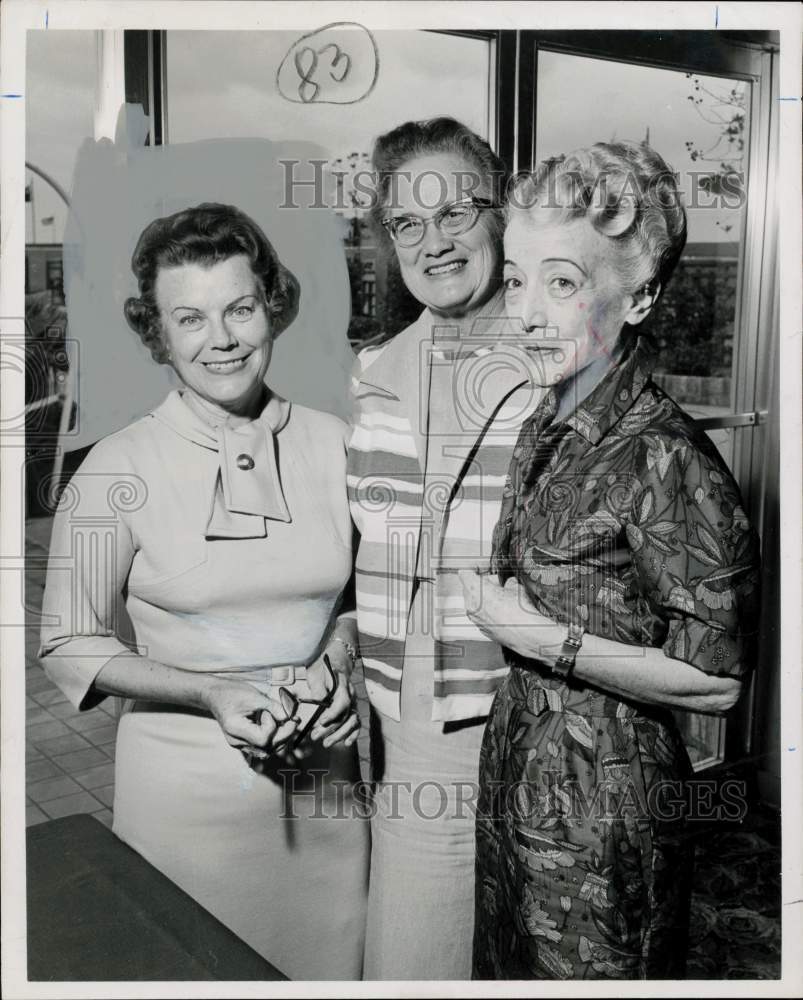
(564, 665)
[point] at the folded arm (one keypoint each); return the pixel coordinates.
(642, 673)
(696, 565)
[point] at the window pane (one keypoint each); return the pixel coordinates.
(59, 116)
(699, 125)
(223, 84)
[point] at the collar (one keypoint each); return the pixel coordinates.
(616, 392)
(390, 369)
(400, 370)
(247, 489)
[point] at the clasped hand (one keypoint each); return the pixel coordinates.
(258, 725)
(507, 616)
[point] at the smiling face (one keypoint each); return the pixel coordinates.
(453, 275)
(561, 282)
(217, 330)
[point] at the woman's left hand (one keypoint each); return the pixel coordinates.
(506, 615)
(340, 723)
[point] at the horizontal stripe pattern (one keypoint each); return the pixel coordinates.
(397, 518)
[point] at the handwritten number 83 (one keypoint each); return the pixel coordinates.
(306, 60)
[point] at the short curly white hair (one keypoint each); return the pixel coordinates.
(627, 192)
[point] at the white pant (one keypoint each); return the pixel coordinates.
(421, 892)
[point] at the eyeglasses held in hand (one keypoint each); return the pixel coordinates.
(453, 220)
(291, 704)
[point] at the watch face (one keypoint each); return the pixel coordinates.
(562, 666)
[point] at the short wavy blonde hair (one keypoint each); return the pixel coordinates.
(627, 192)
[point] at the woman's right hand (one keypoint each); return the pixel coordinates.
(250, 720)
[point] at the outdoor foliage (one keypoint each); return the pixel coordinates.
(693, 323)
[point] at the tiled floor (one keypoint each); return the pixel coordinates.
(70, 755)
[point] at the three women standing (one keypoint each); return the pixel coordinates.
(626, 584)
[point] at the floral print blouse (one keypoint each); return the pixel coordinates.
(624, 519)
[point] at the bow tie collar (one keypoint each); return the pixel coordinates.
(247, 489)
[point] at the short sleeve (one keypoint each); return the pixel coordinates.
(91, 551)
(696, 557)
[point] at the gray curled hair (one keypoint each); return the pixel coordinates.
(627, 192)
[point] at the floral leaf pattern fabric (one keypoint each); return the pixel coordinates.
(623, 519)
(583, 863)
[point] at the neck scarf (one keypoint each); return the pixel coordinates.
(247, 488)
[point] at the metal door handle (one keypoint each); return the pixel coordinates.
(750, 419)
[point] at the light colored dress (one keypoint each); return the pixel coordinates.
(170, 540)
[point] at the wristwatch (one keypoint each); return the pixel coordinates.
(350, 648)
(564, 665)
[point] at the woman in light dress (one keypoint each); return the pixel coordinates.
(197, 565)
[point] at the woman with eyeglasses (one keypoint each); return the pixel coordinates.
(426, 464)
(196, 569)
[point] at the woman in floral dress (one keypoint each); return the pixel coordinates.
(627, 587)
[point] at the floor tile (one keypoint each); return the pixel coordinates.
(34, 815)
(36, 715)
(37, 682)
(105, 816)
(49, 697)
(105, 794)
(31, 753)
(102, 737)
(80, 760)
(52, 788)
(94, 777)
(29, 702)
(46, 731)
(64, 710)
(68, 805)
(63, 744)
(87, 721)
(38, 770)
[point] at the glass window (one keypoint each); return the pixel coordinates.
(59, 109)
(700, 125)
(59, 115)
(237, 84)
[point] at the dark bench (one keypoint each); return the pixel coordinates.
(99, 911)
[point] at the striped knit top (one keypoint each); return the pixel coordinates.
(416, 524)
